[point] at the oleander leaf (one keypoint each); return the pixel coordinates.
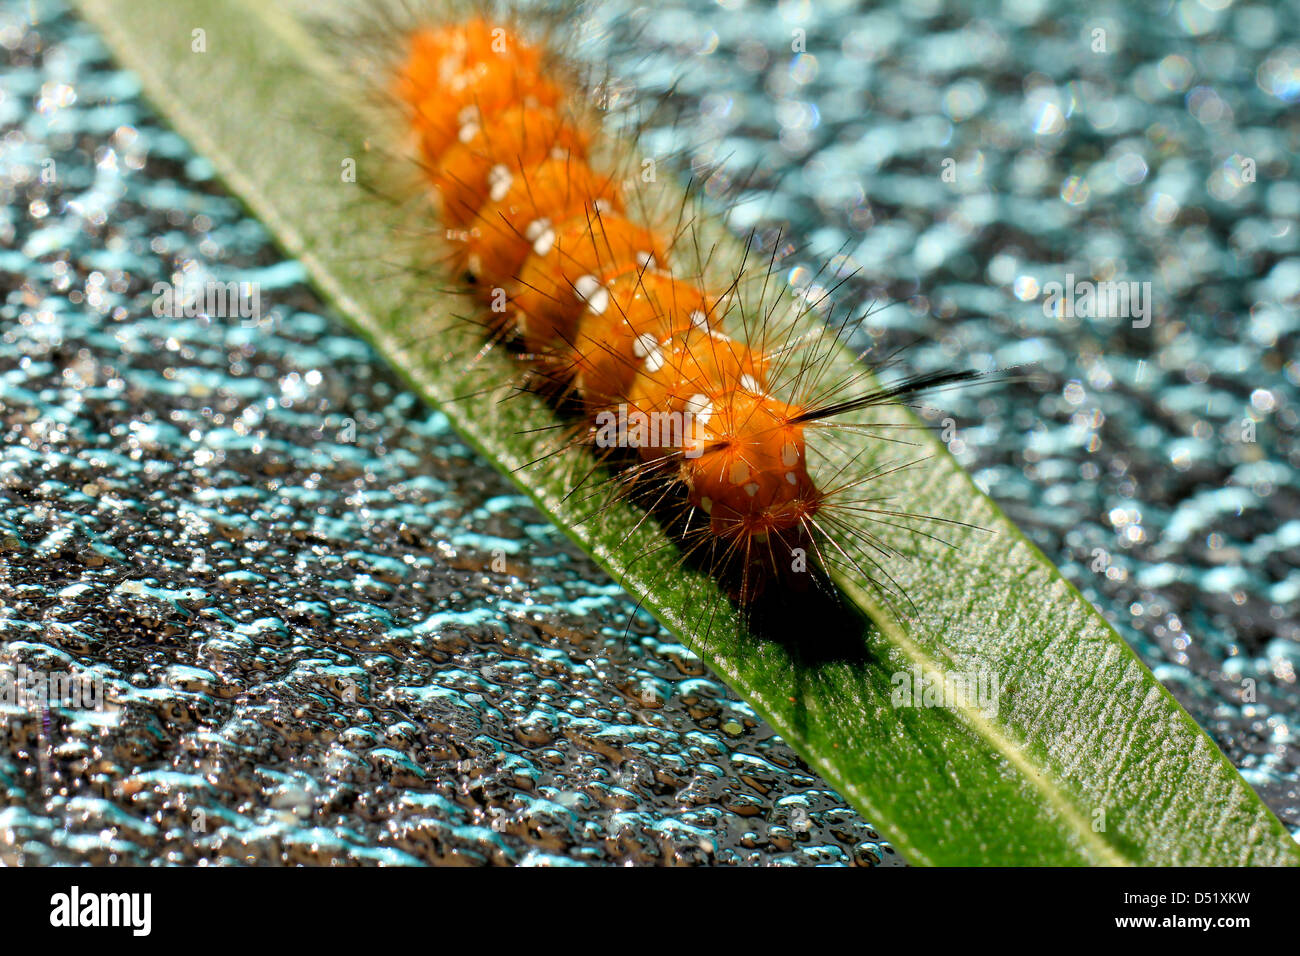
(1085, 759)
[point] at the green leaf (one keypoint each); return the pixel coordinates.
(1087, 758)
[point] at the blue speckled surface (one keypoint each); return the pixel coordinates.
(1116, 155)
(281, 565)
(326, 632)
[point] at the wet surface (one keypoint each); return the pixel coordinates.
(319, 629)
(953, 159)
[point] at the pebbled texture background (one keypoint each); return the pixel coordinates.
(325, 633)
(1156, 465)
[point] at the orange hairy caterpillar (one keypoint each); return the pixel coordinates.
(613, 309)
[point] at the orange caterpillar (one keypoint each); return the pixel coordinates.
(562, 262)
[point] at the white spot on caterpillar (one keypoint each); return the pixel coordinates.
(707, 505)
(468, 132)
(751, 489)
(590, 291)
(654, 359)
(500, 179)
(699, 319)
(791, 477)
(467, 115)
(644, 344)
(603, 205)
(645, 260)
(699, 406)
(750, 384)
(789, 454)
(740, 474)
(559, 152)
(475, 264)
(542, 236)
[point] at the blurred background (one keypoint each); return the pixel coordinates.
(278, 564)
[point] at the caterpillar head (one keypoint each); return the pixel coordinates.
(750, 475)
